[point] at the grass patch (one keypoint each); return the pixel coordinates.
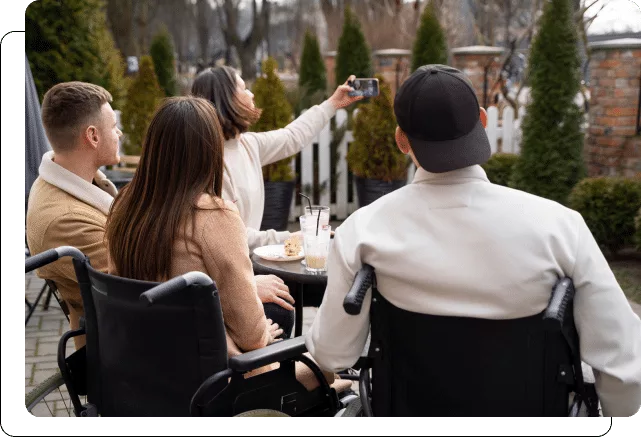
(628, 274)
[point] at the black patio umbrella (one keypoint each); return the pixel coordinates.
(36, 143)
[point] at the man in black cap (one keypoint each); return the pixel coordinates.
(454, 244)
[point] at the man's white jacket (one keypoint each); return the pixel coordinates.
(453, 244)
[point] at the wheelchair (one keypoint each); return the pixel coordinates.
(425, 365)
(160, 350)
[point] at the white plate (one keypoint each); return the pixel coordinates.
(276, 252)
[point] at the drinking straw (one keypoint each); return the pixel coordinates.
(308, 201)
(310, 211)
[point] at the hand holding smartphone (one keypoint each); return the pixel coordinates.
(367, 87)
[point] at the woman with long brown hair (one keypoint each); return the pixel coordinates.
(170, 219)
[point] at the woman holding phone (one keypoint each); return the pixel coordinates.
(247, 152)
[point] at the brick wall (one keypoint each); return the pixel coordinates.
(612, 145)
(472, 61)
(394, 65)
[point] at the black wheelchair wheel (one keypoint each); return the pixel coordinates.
(354, 409)
(42, 400)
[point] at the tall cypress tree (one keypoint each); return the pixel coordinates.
(269, 95)
(312, 79)
(142, 99)
(113, 76)
(162, 53)
(69, 40)
(353, 55)
(552, 150)
(430, 46)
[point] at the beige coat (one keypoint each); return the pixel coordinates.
(215, 243)
(66, 210)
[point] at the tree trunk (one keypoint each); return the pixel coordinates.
(203, 10)
(120, 14)
(508, 18)
(143, 23)
(246, 48)
(248, 63)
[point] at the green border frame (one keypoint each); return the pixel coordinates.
(15, 421)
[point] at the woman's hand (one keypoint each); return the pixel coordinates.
(340, 99)
(274, 330)
(272, 289)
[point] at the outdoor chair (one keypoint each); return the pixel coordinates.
(427, 365)
(160, 350)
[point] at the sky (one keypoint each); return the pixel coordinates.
(617, 15)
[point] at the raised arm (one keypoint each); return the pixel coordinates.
(282, 143)
(227, 260)
(609, 331)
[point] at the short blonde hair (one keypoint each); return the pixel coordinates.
(67, 107)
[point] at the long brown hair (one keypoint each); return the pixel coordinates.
(182, 157)
(219, 86)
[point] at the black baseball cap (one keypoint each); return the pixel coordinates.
(438, 110)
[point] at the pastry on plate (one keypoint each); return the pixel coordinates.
(292, 246)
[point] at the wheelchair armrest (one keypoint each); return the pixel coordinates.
(178, 283)
(51, 255)
(556, 312)
(273, 353)
(353, 302)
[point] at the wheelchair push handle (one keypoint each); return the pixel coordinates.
(51, 255)
(178, 283)
(353, 302)
(560, 304)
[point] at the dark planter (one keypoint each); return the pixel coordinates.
(278, 201)
(369, 190)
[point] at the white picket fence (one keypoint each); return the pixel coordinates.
(506, 132)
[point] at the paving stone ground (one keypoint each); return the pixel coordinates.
(41, 344)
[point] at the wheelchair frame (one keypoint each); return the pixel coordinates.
(215, 396)
(557, 317)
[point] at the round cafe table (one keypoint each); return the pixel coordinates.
(119, 178)
(293, 273)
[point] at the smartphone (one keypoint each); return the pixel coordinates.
(364, 87)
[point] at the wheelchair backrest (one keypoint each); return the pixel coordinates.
(148, 360)
(426, 365)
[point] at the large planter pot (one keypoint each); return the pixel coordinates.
(369, 190)
(278, 201)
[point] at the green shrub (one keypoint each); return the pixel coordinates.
(269, 95)
(430, 46)
(608, 206)
(142, 99)
(637, 234)
(353, 55)
(162, 53)
(312, 79)
(552, 152)
(373, 154)
(499, 168)
(69, 40)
